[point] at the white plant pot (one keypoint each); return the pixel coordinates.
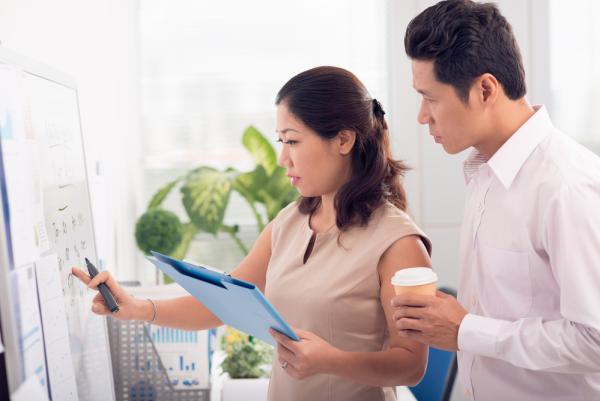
(245, 389)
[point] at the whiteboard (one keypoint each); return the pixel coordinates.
(46, 228)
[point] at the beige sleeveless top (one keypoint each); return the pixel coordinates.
(335, 295)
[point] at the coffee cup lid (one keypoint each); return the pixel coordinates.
(414, 276)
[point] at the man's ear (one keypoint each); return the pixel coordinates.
(345, 141)
(488, 88)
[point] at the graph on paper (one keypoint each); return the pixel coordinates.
(183, 355)
(167, 335)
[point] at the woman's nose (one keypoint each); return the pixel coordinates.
(284, 157)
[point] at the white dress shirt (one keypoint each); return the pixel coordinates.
(530, 269)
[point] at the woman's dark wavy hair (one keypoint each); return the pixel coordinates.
(329, 100)
(465, 39)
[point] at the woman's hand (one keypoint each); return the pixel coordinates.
(130, 308)
(304, 358)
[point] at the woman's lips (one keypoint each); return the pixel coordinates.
(294, 179)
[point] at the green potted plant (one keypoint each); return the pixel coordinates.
(245, 363)
(245, 356)
(205, 193)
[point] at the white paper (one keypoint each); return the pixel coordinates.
(30, 390)
(27, 227)
(184, 354)
(21, 150)
(30, 327)
(61, 374)
(1, 346)
(15, 115)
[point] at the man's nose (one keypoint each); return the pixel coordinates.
(423, 117)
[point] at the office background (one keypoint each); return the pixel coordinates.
(165, 86)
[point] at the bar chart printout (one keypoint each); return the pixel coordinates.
(184, 356)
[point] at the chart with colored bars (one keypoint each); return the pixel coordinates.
(168, 335)
(184, 356)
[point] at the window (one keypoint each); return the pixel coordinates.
(574, 37)
(211, 68)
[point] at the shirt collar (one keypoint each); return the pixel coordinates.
(508, 160)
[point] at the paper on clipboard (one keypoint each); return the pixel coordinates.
(235, 302)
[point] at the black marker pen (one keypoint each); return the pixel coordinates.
(103, 288)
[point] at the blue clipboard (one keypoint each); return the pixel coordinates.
(235, 302)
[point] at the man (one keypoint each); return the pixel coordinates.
(527, 321)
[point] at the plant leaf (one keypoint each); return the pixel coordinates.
(278, 184)
(206, 195)
(278, 193)
(250, 184)
(189, 231)
(261, 150)
(161, 194)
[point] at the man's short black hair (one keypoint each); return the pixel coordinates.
(464, 40)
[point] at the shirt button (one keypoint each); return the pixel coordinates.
(473, 301)
(481, 206)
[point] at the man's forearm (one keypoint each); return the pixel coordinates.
(558, 346)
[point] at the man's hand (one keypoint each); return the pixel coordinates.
(431, 320)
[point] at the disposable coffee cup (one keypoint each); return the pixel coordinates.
(416, 280)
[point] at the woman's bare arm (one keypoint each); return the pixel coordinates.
(405, 361)
(184, 312)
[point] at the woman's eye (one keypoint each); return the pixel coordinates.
(288, 142)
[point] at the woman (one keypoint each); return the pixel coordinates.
(325, 262)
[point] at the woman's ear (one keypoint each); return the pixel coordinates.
(345, 141)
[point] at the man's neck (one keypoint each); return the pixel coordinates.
(510, 116)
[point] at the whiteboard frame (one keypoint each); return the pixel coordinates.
(7, 315)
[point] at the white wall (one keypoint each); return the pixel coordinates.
(95, 42)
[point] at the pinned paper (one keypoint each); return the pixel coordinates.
(29, 390)
(56, 333)
(30, 338)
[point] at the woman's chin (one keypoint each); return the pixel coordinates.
(307, 194)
